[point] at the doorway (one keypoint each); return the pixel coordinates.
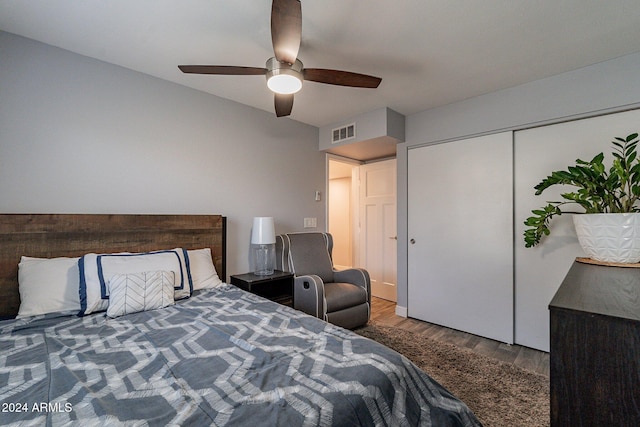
(342, 190)
(361, 217)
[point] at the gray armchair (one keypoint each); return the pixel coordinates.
(339, 297)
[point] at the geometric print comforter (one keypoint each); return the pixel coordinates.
(222, 357)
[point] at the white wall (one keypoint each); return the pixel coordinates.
(602, 88)
(82, 136)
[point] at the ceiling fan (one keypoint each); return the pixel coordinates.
(285, 72)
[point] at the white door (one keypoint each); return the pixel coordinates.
(378, 235)
(460, 225)
(540, 270)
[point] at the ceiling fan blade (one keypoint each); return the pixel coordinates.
(286, 29)
(284, 104)
(222, 69)
(341, 78)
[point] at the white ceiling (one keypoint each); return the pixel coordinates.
(427, 52)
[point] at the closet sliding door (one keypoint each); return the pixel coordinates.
(460, 224)
(540, 270)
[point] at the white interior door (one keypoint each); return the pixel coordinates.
(378, 225)
(460, 225)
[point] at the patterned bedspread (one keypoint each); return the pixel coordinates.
(222, 357)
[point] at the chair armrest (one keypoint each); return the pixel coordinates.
(357, 276)
(308, 295)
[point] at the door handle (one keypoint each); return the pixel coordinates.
(413, 241)
(394, 238)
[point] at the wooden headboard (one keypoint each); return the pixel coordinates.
(72, 235)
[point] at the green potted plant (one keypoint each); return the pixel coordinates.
(608, 197)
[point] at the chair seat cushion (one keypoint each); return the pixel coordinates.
(343, 295)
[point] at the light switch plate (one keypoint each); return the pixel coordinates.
(310, 222)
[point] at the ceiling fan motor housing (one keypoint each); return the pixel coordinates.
(284, 78)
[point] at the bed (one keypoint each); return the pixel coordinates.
(220, 356)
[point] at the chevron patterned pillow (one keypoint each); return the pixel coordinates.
(134, 292)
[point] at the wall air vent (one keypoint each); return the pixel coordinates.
(343, 133)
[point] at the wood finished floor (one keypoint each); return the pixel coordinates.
(383, 312)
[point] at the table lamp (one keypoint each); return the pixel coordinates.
(263, 242)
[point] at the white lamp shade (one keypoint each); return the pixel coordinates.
(263, 231)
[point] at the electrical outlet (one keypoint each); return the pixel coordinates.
(310, 222)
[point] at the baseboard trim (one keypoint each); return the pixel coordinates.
(401, 311)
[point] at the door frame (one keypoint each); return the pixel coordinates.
(355, 204)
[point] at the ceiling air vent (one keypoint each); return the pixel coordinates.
(343, 133)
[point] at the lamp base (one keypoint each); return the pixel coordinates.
(263, 272)
(265, 257)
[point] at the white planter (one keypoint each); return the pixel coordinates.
(610, 237)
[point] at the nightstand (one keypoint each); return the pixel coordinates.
(277, 287)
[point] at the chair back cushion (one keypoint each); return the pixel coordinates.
(309, 254)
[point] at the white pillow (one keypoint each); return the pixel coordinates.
(203, 272)
(47, 285)
(135, 292)
(96, 270)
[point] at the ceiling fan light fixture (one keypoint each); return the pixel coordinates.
(284, 78)
(284, 84)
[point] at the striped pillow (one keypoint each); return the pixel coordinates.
(96, 270)
(134, 292)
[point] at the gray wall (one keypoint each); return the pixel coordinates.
(598, 89)
(82, 136)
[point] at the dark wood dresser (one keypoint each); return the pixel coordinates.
(595, 347)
